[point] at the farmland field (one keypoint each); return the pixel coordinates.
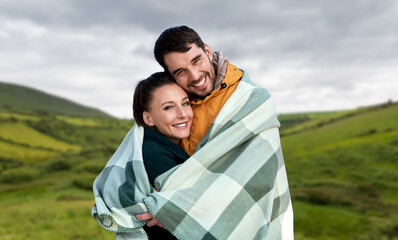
(342, 170)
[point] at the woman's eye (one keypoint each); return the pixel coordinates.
(168, 107)
(186, 104)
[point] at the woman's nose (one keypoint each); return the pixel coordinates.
(181, 113)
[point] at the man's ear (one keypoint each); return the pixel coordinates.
(147, 119)
(208, 52)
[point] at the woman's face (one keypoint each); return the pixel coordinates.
(170, 112)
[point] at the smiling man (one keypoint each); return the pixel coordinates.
(193, 69)
(207, 77)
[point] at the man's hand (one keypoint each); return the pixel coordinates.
(151, 220)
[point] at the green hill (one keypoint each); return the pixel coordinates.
(17, 97)
(48, 163)
(342, 170)
(343, 173)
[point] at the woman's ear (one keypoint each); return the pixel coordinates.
(147, 119)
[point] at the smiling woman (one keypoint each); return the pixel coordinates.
(163, 109)
(169, 112)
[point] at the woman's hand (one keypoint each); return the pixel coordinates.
(151, 220)
(147, 216)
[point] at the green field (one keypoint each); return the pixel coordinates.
(342, 170)
(22, 134)
(343, 174)
(47, 167)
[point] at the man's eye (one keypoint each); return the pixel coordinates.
(179, 72)
(196, 60)
(186, 103)
(168, 107)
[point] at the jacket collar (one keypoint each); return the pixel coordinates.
(232, 75)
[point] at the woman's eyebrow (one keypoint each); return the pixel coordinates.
(168, 102)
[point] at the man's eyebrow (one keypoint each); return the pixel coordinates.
(176, 71)
(197, 57)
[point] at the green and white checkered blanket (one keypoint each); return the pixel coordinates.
(233, 187)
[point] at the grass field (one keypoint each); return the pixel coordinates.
(343, 176)
(20, 133)
(342, 170)
(5, 115)
(49, 209)
(47, 166)
(22, 153)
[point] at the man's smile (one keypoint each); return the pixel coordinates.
(200, 83)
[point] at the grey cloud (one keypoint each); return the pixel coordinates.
(292, 47)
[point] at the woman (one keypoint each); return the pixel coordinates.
(193, 203)
(163, 109)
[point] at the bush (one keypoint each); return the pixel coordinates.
(19, 175)
(57, 165)
(10, 163)
(324, 196)
(393, 141)
(94, 167)
(84, 181)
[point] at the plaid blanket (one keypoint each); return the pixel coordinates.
(233, 187)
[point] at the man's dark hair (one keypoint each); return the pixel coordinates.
(175, 39)
(143, 94)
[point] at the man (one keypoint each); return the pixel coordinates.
(210, 80)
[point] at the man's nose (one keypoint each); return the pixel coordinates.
(195, 75)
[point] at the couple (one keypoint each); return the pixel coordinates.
(228, 179)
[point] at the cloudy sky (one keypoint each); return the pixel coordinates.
(312, 55)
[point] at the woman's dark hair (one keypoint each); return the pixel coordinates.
(175, 39)
(143, 94)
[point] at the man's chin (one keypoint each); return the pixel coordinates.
(204, 92)
(201, 94)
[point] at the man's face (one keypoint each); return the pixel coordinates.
(192, 70)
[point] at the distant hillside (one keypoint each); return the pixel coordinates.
(17, 97)
(342, 170)
(49, 161)
(341, 166)
(293, 123)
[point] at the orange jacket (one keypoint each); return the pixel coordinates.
(205, 110)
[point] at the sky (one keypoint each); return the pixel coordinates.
(312, 55)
